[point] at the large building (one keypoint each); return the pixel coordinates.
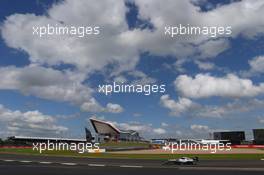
(107, 131)
(234, 137)
(25, 140)
(258, 136)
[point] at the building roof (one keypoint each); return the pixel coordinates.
(131, 132)
(47, 138)
(103, 127)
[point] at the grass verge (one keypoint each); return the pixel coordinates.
(29, 151)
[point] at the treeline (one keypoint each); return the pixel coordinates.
(9, 142)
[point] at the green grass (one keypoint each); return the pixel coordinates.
(133, 156)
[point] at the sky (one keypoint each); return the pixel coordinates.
(49, 85)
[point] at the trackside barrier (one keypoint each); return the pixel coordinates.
(156, 146)
(96, 150)
(153, 147)
(17, 147)
(232, 146)
(247, 146)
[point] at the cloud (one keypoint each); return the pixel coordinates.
(94, 106)
(45, 83)
(199, 128)
(176, 108)
(120, 79)
(159, 131)
(174, 13)
(205, 65)
(114, 108)
(29, 123)
(256, 67)
(203, 131)
(213, 48)
(261, 120)
(194, 130)
(120, 46)
(186, 107)
(141, 78)
(230, 108)
(145, 129)
(164, 124)
(51, 84)
(88, 53)
(257, 64)
(137, 114)
(136, 126)
(205, 85)
(67, 117)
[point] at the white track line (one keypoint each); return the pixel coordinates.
(130, 166)
(71, 164)
(45, 162)
(96, 165)
(25, 161)
(8, 160)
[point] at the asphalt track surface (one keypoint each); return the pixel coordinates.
(27, 164)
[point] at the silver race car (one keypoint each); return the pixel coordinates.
(182, 161)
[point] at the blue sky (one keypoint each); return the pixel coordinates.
(49, 86)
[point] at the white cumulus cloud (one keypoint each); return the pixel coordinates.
(176, 107)
(88, 53)
(199, 128)
(159, 131)
(205, 85)
(33, 123)
(51, 84)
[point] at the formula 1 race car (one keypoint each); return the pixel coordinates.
(182, 161)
